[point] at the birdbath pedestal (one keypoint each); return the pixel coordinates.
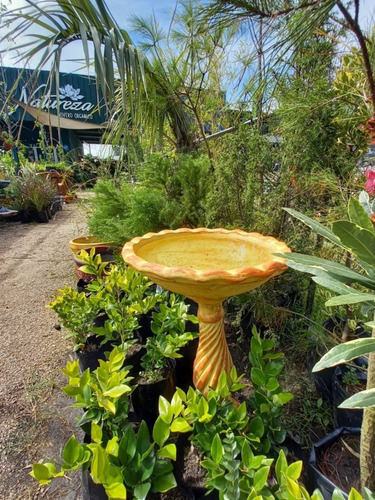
(208, 266)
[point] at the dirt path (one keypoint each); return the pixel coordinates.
(35, 261)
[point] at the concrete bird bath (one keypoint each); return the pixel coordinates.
(208, 266)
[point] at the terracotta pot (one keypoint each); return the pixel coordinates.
(84, 242)
(107, 256)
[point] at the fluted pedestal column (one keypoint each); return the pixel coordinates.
(213, 356)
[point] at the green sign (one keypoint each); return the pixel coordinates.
(76, 96)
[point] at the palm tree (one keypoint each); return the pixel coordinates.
(123, 74)
(138, 92)
(61, 22)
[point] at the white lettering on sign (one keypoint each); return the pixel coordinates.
(70, 100)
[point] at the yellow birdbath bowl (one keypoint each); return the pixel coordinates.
(208, 266)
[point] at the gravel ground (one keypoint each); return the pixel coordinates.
(35, 421)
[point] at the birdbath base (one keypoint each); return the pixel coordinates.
(213, 356)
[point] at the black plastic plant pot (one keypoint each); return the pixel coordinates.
(90, 490)
(82, 286)
(144, 331)
(320, 479)
(345, 417)
(133, 359)
(322, 380)
(184, 365)
(101, 318)
(93, 352)
(201, 494)
(41, 216)
(25, 216)
(57, 204)
(145, 397)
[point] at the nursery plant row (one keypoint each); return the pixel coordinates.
(148, 432)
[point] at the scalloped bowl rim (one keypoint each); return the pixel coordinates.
(262, 271)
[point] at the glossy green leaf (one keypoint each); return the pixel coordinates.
(164, 483)
(99, 463)
(317, 495)
(260, 478)
(294, 470)
(272, 384)
(354, 495)
(337, 495)
(256, 427)
(350, 298)
(360, 241)
(293, 488)
(160, 432)
(165, 410)
(143, 438)
(141, 490)
(115, 491)
(247, 455)
(315, 226)
(72, 451)
(282, 398)
(112, 446)
(281, 467)
(127, 446)
(168, 451)
(117, 391)
(345, 352)
(41, 473)
(358, 214)
(217, 449)
(258, 377)
(180, 425)
(96, 433)
(363, 399)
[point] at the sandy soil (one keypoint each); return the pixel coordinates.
(35, 421)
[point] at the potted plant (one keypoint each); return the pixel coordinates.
(119, 456)
(33, 195)
(162, 349)
(117, 298)
(229, 444)
(77, 313)
(334, 462)
(348, 380)
(356, 236)
(89, 262)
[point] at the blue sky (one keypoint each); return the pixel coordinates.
(122, 11)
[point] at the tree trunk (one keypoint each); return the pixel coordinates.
(367, 461)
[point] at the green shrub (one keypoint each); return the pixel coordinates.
(123, 211)
(168, 194)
